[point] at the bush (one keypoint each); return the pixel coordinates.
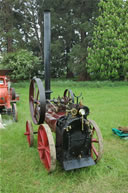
(23, 63)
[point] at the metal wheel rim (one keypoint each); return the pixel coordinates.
(96, 153)
(29, 133)
(46, 147)
(38, 116)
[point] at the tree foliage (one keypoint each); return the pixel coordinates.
(73, 26)
(83, 18)
(74, 50)
(23, 64)
(22, 28)
(108, 58)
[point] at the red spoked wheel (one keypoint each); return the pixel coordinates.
(29, 133)
(46, 147)
(96, 141)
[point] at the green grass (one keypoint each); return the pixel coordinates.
(21, 169)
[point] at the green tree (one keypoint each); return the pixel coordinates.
(83, 18)
(18, 26)
(108, 58)
(72, 26)
(72, 21)
(13, 25)
(6, 27)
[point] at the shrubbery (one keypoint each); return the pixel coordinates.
(23, 63)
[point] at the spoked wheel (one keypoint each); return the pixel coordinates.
(96, 141)
(46, 147)
(29, 133)
(37, 101)
(68, 95)
(14, 112)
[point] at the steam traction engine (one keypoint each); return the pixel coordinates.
(8, 97)
(78, 141)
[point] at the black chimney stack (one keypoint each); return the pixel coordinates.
(47, 43)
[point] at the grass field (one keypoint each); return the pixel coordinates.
(21, 170)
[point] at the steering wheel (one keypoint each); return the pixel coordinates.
(68, 95)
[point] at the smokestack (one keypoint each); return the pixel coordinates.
(47, 43)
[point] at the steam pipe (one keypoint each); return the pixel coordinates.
(47, 43)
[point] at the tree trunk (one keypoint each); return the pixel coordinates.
(69, 73)
(9, 44)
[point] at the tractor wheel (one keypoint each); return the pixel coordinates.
(37, 101)
(14, 112)
(46, 147)
(68, 95)
(29, 133)
(96, 141)
(13, 93)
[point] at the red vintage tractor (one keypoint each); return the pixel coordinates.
(8, 97)
(78, 140)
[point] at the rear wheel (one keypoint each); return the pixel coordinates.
(96, 141)
(14, 112)
(46, 147)
(37, 101)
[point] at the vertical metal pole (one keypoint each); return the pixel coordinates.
(47, 43)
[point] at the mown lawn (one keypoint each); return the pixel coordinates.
(21, 169)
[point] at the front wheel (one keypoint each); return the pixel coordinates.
(46, 147)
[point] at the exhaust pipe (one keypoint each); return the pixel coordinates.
(47, 53)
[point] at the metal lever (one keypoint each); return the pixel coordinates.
(77, 97)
